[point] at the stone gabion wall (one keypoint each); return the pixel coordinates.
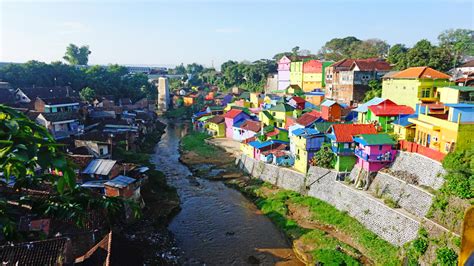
(409, 197)
(429, 172)
(390, 224)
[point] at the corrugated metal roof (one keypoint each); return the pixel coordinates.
(99, 167)
(120, 181)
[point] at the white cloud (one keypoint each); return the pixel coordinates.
(228, 30)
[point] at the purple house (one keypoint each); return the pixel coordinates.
(231, 117)
(374, 151)
(284, 73)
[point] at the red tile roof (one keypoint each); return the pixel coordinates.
(372, 64)
(216, 119)
(249, 140)
(343, 64)
(307, 119)
(391, 109)
(345, 132)
(421, 73)
(273, 133)
(232, 113)
(298, 99)
(251, 125)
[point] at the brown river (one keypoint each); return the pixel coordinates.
(217, 225)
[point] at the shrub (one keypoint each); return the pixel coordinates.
(446, 256)
(324, 157)
(333, 257)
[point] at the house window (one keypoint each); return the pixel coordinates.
(346, 145)
(425, 93)
(380, 147)
(101, 151)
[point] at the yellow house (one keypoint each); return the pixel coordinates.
(246, 148)
(312, 81)
(456, 94)
(279, 113)
(256, 100)
(445, 135)
(293, 89)
(304, 142)
(414, 85)
(215, 126)
(266, 118)
(404, 129)
(296, 73)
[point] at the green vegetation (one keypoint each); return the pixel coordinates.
(275, 206)
(111, 80)
(77, 55)
(324, 157)
(446, 256)
(460, 176)
(24, 146)
(351, 47)
(375, 90)
(180, 112)
(334, 257)
(194, 142)
(417, 248)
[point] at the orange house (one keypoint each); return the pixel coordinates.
(314, 97)
(331, 111)
(190, 99)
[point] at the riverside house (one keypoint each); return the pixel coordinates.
(374, 151)
(383, 114)
(305, 142)
(232, 117)
(445, 132)
(342, 143)
(331, 111)
(414, 85)
(280, 112)
(245, 129)
(215, 126)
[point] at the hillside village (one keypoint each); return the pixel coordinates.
(310, 124)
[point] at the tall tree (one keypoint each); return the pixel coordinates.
(77, 55)
(397, 56)
(338, 48)
(458, 43)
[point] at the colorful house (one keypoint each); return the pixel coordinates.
(351, 78)
(404, 129)
(383, 114)
(215, 126)
(283, 73)
(312, 75)
(246, 148)
(245, 129)
(297, 102)
(256, 99)
(276, 133)
(190, 99)
(374, 151)
(266, 118)
(315, 97)
(456, 94)
(331, 111)
(261, 146)
(342, 143)
(231, 117)
(279, 113)
(296, 73)
(305, 142)
(414, 85)
(362, 109)
(448, 132)
(294, 89)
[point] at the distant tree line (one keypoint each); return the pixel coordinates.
(111, 80)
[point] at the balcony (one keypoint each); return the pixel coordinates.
(385, 157)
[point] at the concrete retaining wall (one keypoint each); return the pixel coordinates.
(392, 225)
(429, 172)
(409, 197)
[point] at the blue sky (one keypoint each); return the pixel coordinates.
(171, 32)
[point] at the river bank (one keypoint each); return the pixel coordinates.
(318, 232)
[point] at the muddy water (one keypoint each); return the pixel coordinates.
(216, 224)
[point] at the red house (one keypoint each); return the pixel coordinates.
(297, 102)
(331, 111)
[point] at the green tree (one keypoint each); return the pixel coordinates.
(375, 90)
(25, 146)
(87, 94)
(338, 48)
(397, 56)
(324, 157)
(77, 55)
(371, 48)
(458, 43)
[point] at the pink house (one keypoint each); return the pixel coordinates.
(231, 117)
(284, 73)
(374, 151)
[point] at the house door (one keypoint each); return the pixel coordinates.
(428, 139)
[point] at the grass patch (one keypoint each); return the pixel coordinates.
(180, 112)
(194, 142)
(275, 206)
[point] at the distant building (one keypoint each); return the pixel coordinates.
(283, 73)
(163, 94)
